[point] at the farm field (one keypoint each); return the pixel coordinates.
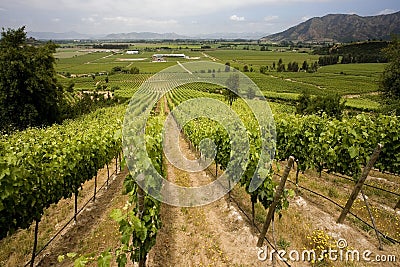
(330, 155)
(356, 82)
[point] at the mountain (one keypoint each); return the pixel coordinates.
(145, 36)
(340, 28)
(60, 35)
(142, 36)
(174, 36)
(231, 35)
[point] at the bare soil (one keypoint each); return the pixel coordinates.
(95, 213)
(211, 235)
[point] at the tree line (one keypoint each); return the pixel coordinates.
(291, 67)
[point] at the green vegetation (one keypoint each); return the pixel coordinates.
(330, 105)
(29, 93)
(232, 85)
(363, 52)
(39, 167)
(390, 81)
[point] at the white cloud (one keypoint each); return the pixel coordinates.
(56, 20)
(135, 21)
(305, 18)
(151, 8)
(89, 19)
(3, 9)
(271, 18)
(386, 11)
(236, 18)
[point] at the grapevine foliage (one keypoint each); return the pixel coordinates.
(39, 167)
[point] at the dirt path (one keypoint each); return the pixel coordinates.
(211, 235)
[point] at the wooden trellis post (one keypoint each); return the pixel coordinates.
(360, 183)
(398, 205)
(277, 198)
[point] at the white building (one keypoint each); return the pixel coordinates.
(132, 52)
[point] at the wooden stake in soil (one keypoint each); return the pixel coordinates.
(277, 197)
(35, 243)
(372, 219)
(116, 165)
(273, 240)
(398, 205)
(229, 193)
(108, 174)
(360, 183)
(140, 197)
(216, 164)
(76, 205)
(120, 159)
(95, 188)
(253, 213)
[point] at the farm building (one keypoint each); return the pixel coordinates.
(160, 57)
(132, 52)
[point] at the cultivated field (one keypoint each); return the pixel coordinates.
(330, 156)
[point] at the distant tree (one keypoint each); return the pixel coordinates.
(346, 59)
(263, 69)
(106, 79)
(70, 87)
(328, 60)
(116, 69)
(29, 92)
(330, 105)
(289, 67)
(134, 70)
(304, 67)
(251, 92)
(294, 67)
(390, 79)
(303, 103)
(232, 84)
(273, 65)
(281, 68)
(227, 67)
(93, 76)
(246, 68)
(313, 68)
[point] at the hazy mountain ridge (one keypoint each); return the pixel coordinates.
(142, 36)
(340, 28)
(145, 36)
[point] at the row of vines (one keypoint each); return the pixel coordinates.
(319, 143)
(39, 167)
(341, 146)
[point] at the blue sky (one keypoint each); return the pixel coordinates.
(188, 17)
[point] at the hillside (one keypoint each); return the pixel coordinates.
(340, 28)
